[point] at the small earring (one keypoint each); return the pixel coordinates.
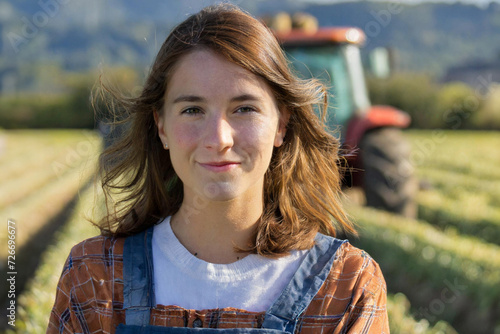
(166, 146)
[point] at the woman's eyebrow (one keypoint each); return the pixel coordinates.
(189, 98)
(245, 97)
(195, 98)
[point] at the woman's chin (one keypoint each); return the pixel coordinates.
(222, 192)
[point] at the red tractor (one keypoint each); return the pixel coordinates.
(381, 163)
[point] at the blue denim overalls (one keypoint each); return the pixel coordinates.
(281, 317)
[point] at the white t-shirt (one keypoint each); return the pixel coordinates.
(252, 283)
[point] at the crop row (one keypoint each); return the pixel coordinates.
(52, 150)
(32, 213)
(454, 184)
(35, 209)
(470, 213)
(15, 144)
(470, 153)
(446, 275)
(401, 320)
(18, 144)
(29, 161)
(36, 301)
(15, 189)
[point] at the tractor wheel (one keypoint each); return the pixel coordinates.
(389, 182)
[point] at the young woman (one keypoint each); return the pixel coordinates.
(229, 200)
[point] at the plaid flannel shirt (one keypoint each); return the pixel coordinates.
(89, 296)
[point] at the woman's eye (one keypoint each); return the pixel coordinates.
(191, 111)
(245, 109)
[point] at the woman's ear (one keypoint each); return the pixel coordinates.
(160, 125)
(282, 124)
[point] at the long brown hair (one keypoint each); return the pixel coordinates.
(302, 184)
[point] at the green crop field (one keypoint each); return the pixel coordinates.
(41, 175)
(447, 262)
(442, 270)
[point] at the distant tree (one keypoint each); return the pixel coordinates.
(457, 104)
(411, 92)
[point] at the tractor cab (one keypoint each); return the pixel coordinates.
(332, 55)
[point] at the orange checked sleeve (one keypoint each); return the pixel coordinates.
(352, 299)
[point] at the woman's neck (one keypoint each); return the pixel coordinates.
(212, 230)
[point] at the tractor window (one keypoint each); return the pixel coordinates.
(328, 65)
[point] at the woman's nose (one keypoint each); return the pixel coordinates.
(218, 133)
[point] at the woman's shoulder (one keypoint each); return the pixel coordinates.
(353, 295)
(95, 250)
(354, 257)
(356, 269)
(90, 280)
(95, 260)
(347, 255)
(99, 245)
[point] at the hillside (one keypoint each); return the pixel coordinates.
(427, 37)
(85, 35)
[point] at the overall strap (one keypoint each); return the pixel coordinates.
(138, 282)
(305, 284)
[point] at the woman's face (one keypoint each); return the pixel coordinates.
(221, 123)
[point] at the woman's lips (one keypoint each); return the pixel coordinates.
(222, 166)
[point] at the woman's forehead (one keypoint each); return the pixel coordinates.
(204, 72)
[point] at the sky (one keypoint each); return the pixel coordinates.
(480, 3)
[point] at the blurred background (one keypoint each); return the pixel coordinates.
(425, 194)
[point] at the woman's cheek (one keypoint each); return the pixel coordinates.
(185, 135)
(264, 133)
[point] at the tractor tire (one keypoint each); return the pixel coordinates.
(388, 181)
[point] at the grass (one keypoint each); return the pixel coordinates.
(32, 199)
(453, 242)
(37, 300)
